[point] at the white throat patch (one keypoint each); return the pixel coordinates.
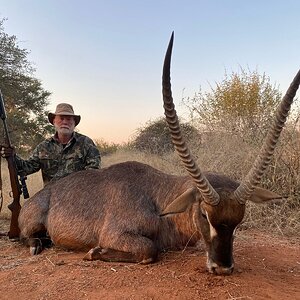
(213, 232)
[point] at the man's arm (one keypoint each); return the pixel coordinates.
(93, 158)
(30, 165)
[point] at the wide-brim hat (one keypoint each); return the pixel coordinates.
(64, 109)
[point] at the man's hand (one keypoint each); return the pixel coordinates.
(7, 151)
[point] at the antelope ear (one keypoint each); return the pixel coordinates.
(261, 195)
(182, 202)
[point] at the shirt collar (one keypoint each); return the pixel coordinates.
(74, 137)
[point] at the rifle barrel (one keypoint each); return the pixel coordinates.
(2, 108)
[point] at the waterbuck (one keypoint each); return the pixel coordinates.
(131, 211)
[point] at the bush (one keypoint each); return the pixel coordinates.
(155, 137)
(106, 148)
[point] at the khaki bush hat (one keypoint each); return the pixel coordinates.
(64, 109)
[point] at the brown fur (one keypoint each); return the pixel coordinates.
(119, 208)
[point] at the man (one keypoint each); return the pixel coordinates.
(62, 154)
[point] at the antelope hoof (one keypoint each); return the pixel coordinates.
(36, 246)
(15, 239)
(35, 250)
(147, 261)
(94, 254)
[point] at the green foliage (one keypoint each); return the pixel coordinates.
(155, 137)
(25, 99)
(242, 102)
(106, 148)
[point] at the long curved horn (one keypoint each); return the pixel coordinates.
(243, 192)
(209, 194)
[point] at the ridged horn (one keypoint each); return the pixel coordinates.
(210, 196)
(243, 192)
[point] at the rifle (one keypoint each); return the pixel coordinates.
(15, 207)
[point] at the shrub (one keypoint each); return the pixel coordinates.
(155, 137)
(106, 148)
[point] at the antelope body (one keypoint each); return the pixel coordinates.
(117, 211)
(131, 211)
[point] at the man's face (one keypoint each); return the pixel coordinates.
(64, 124)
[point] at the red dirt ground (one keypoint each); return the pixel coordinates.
(267, 267)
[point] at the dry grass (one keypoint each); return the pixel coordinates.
(230, 156)
(34, 184)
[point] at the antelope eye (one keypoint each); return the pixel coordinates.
(204, 215)
(203, 212)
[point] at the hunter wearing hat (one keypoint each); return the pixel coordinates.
(62, 154)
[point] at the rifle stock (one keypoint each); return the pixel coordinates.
(15, 207)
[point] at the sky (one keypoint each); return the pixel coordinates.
(105, 57)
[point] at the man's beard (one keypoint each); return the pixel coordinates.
(64, 131)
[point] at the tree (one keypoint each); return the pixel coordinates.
(242, 102)
(155, 137)
(25, 99)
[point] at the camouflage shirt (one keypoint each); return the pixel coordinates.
(56, 160)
